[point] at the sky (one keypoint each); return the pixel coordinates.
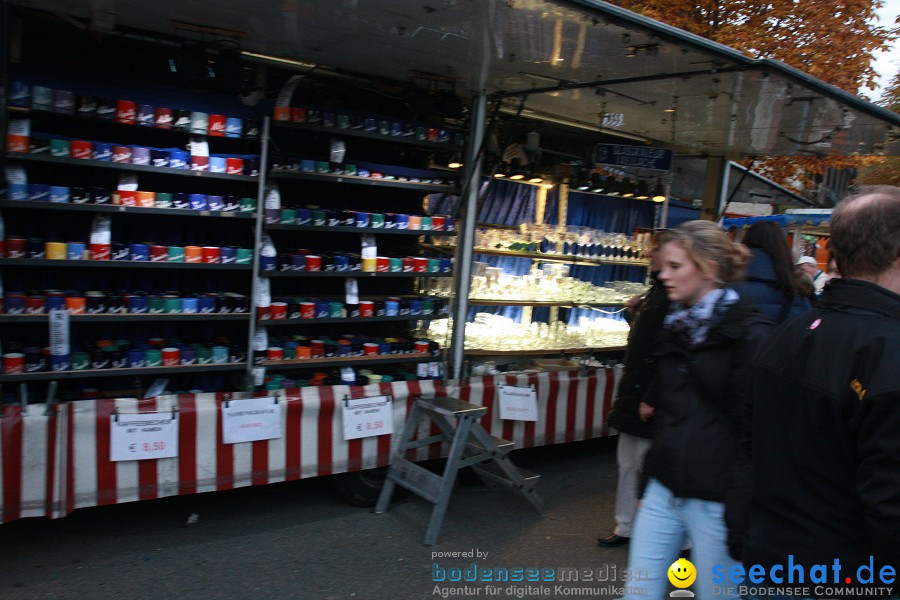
(886, 63)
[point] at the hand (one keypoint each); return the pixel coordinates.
(633, 302)
(645, 411)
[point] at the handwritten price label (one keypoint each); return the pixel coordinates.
(143, 436)
(366, 417)
(517, 403)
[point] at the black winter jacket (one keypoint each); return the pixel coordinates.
(700, 404)
(759, 288)
(825, 439)
(640, 364)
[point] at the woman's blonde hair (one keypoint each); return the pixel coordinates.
(706, 242)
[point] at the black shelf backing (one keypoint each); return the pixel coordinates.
(102, 164)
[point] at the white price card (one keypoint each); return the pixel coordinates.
(59, 332)
(517, 403)
(365, 417)
(143, 436)
(250, 420)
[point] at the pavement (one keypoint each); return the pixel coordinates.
(299, 540)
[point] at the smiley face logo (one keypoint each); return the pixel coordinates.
(682, 573)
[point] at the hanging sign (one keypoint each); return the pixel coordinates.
(250, 420)
(642, 157)
(143, 436)
(365, 417)
(517, 403)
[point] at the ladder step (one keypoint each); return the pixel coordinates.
(494, 473)
(416, 479)
(451, 407)
(502, 446)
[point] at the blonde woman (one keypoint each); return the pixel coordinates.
(704, 350)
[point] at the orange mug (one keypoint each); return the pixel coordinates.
(193, 254)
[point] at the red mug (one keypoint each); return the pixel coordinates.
(317, 348)
(34, 305)
(437, 223)
(81, 149)
(199, 163)
(126, 112)
(307, 310)
(313, 262)
(163, 117)
(234, 166)
(211, 255)
(278, 310)
(127, 197)
(366, 308)
(409, 264)
(13, 362)
(121, 154)
(263, 313)
(382, 264)
(159, 253)
(15, 247)
(216, 125)
(298, 114)
(370, 349)
(421, 346)
(171, 357)
(275, 353)
(99, 251)
(420, 264)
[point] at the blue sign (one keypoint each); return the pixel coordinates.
(642, 157)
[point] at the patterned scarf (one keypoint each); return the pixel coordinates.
(691, 324)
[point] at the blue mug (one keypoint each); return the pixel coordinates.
(198, 201)
(140, 252)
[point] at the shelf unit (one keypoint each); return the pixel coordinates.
(66, 222)
(548, 352)
(544, 257)
(348, 361)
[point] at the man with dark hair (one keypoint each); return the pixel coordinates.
(824, 420)
(646, 318)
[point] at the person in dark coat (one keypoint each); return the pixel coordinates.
(703, 353)
(824, 410)
(646, 318)
(771, 281)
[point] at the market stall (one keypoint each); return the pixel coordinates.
(243, 208)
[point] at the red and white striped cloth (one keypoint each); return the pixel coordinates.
(57, 462)
(33, 480)
(571, 407)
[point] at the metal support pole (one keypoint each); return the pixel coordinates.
(257, 248)
(466, 238)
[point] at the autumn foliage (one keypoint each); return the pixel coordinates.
(830, 40)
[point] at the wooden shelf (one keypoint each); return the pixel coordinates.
(103, 164)
(345, 361)
(480, 352)
(86, 373)
(131, 317)
(539, 256)
(118, 209)
(356, 180)
(357, 230)
(117, 264)
(358, 274)
(370, 135)
(284, 322)
(551, 303)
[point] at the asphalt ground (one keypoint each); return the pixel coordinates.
(299, 540)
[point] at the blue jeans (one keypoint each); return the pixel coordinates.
(661, 526)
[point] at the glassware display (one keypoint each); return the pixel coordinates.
(544, 283)
(502, 334)
(564, 241)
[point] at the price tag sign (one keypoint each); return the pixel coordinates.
(517, 403)
(59, 332)
(143, 436)
(365, 417)
(251, 420)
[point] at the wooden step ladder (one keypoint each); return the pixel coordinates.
(470, 446)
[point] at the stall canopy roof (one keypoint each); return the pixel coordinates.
(599, 66)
